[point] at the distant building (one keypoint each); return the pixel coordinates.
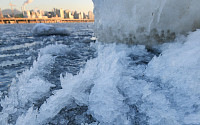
(72, 13)
(50, 14)
(27, 14)
(7, 16)
(81, 15)
(1, 15)
(61, 13)
(33, 15)
(58, 13)
(68, 14)
(71, 16)
(90, 15)
(76, 15)
(40, 13)
(84, 16)
(55, 12)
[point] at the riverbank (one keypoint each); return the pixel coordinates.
(41, 20)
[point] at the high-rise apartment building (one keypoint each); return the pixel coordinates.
(81, 15)
(68, 14)
(61, 13)
(33, 15)
(76, 15)
(27, 14)
(90, 15)
(1, 14)
(71, 16)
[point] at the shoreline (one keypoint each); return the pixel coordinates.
(42, 20)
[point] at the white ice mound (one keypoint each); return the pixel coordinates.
(139, 21)
(42, 29)
(179, 72)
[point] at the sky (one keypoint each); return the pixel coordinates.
(47, 5)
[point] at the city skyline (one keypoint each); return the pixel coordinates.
(78, 5)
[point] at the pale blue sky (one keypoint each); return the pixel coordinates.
(79, 5)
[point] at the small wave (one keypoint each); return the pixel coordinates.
(9, 63)
(26, 45)
(8, 55)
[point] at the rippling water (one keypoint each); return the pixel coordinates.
(74, 80)
(19, 48)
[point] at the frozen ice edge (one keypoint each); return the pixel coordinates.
(144, 22)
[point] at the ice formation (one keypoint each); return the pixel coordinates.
(144, 21)
(45, 30)
(122, 85)
(179, 71)
(30, 86)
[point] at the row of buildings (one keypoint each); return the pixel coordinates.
(58, 13)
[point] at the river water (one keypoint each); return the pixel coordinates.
(60, 80)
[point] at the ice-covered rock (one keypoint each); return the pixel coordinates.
(42, 29)
(144, 21)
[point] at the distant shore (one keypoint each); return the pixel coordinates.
(42, 20)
